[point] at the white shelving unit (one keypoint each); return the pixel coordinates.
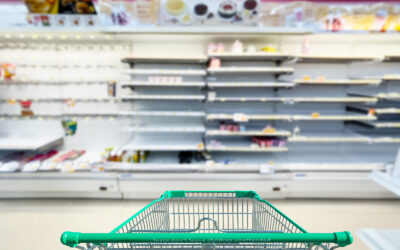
(343, 137)
(381, 124)
(253, 56)
(386, 180)
(338, 82)
(286, 117)
(391, 58)
(330, 167)
(296, 99)
(225, 148)
(64, 99)
(333, 99)
(333, 118)
(391, 178)
(387, 111)
(333, 59)
(246, 99)
(322, 164)
(250, 84)
(165, 129)
(163, 84)
(389, 96)
(394, 78)
(165, 59)
(164, 97)
(162, 113)
(246, 133)
(24, 81)
(377, 239)
(213, 167)
(187, 72)
(164, 145)
(323, 138)
(382, 96)
(29, 142)
(378, 110)
(160, 124)
(250, 70)
(249, 117)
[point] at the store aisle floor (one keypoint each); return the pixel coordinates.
(38, 224)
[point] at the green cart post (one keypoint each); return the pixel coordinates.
(208, 220)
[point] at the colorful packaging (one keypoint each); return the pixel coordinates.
(8, 70)
(69, 126)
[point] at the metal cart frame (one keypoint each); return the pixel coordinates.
(208, 220)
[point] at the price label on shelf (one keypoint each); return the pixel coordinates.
(266, 169)
(269, 130)
(12, 101)
(211, 95)
(239, 117)
(371, 112)
(315, 115)
(210, 163)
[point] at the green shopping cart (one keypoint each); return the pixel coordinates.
(208, 220)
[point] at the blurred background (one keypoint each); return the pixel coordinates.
(105, 105)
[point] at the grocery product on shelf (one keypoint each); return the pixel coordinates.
(215, 63)
(40, 156)
(265, 142)
(228, 126)
(269, 49)
(69, 102)
(237, 47)
(69, 156)
(8, 70)
(227, 9)
(269, 129)
(129, 156)
(185, 157)
(212, 48)
(305, 48)
(250, 5)
(201, 10)
(10, 162)
(26, 108)
(10, 166)
(175, 7)
(31, 166)
(220, 48)
(69, 126)
(111, 88)
(25, 162)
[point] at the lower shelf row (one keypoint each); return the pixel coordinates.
(257, 144)
(117, 160)
(261, 141)
(112, 167)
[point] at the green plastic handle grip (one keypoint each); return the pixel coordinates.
(73, 238)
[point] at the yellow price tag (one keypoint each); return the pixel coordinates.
(315, 115)
(269, 130)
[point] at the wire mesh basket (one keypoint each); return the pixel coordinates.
(208, 220)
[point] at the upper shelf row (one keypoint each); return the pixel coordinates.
(259, 56)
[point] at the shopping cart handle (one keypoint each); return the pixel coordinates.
(73, 238)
